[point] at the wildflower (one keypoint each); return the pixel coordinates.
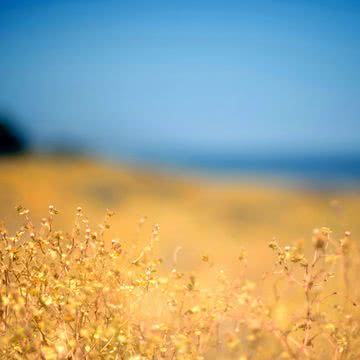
(321, 237)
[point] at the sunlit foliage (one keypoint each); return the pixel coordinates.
(81, 295)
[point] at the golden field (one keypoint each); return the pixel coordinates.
(185, 268)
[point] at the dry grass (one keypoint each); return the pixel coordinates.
(83, 296)
(211, 287)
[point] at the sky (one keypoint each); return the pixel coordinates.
(237, 76)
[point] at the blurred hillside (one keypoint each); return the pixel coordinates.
(196, 214)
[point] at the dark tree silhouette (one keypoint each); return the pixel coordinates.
(11, 140)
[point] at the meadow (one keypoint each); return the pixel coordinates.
(106, 262)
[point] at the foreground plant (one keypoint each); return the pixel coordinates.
(82, 296)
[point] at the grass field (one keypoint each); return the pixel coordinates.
(185, 268)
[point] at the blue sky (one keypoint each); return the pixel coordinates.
(255, 76)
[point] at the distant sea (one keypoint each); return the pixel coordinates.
(318, 170)
(321, 170)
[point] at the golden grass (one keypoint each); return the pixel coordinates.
(236, 274)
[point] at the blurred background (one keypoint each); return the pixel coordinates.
(231, 120)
